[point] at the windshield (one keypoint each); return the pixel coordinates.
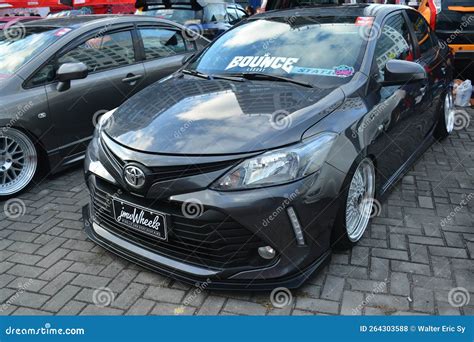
(322, 51)
(16, 50)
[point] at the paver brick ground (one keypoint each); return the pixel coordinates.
(418, 249)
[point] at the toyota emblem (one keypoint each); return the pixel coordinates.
(134, 176)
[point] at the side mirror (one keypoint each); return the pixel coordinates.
(68, 72)
(187, 58)
(397, 72)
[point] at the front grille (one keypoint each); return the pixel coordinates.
(216, 245)
(164, 173)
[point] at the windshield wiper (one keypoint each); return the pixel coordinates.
(260, 76)
(210, 77)
(195, 73)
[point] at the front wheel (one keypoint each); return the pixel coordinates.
(356, 211)
(18, 161)
(447, 117)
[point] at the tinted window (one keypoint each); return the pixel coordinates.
(304, 48)
(393, 43)
(159, 42)
(103, 52)
(422, 31)
(18, 45)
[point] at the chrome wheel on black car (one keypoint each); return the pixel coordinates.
(18, 161)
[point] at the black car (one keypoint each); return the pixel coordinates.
(270, 147)
(57, 76)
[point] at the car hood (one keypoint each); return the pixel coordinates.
(194, 116)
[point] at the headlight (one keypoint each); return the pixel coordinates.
(279, 166)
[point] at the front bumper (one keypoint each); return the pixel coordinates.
(188, 273)
(220, 247)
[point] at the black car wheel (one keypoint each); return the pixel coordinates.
(356, 209)
(18, 161)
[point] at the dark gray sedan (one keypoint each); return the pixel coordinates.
(57, 76)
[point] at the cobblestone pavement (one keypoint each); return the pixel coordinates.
(409, 260)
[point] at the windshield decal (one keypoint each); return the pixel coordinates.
(338, 71)
(261, 63)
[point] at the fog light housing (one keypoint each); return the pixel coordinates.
(266, 252)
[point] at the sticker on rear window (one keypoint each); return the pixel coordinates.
(338, 71)
(364, 21)
(261, 63)
(62, 32)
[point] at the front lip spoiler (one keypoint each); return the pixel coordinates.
(210, 277)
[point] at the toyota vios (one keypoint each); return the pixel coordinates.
(247, 166)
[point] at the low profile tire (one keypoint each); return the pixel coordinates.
(18, 161)
(356, 208)
(446, 117)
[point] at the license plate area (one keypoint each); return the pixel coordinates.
(140, 219)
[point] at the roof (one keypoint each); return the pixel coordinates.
(75, 21)
(333, 10)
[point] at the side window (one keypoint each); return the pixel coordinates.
(161, 42)
(103, 52)
(393, 43)
(422, 32)
(241, 14)
(43, 76)
(232, 14)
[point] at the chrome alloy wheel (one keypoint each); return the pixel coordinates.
(449, 112)
(18, 161)
(360, 200)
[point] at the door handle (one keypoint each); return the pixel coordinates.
(131, 78)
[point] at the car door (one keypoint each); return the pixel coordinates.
(115, 73)
(163, 50)
(434, 58)
(395, 122)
